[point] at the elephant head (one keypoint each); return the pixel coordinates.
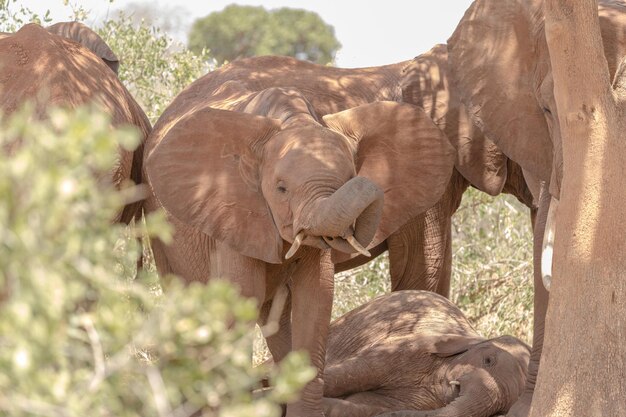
(269, 170)
(80, 33)
(501, 66)
(483, 378)
(479, 377)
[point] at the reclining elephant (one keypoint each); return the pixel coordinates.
(416, 351)
(51, 70)
(260, 187)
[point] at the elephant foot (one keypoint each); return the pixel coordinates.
(521, 407)
(310, 403)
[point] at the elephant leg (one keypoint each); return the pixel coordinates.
(247, 274)
(521, 408)
(188, 255)
(335, 407)
(382, 375)
(312, 298)
(278, 341)
(363, 370)
(420, 252)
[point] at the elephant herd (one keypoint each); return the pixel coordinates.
(278, 173)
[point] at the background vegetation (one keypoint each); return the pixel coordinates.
(77, 305)
(244, 31)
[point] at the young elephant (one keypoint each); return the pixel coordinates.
(415, 350)
(259, 187)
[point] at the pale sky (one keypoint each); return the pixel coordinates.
(371, 32)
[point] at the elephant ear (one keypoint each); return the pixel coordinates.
(80, 33)
(495, 56)
(402, 151)
(426, 84)
(204, 171)
(446, 345)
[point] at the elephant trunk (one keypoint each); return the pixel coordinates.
(474, 402)
(358, 202)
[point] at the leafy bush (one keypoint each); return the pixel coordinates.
(14, 15)
(79, 333)
(152, 67)
(492, 270)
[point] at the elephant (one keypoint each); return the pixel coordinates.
(420, 251)
(407, 352)
(47, 69)
(501, 67)
(259, 187)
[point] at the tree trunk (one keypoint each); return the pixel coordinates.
(583, 367)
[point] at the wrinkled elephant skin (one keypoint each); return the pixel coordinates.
(411, 351)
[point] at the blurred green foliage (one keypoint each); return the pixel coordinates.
(14, 15)
(80, 333)
(245, 31)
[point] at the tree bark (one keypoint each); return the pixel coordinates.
(583, 367)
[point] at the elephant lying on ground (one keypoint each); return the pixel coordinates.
(415, 350)
(50, 70)
(260, 187)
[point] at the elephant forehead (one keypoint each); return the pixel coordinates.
(313, 143)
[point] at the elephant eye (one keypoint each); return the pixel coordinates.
(281, 187)
(547, 110)
(489, 361)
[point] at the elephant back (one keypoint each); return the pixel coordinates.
(421, 316)
(329, 89)
(49, 70)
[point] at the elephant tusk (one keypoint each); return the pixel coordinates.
(357, 246)
(548, 244)
(295, 245)
(457, 383)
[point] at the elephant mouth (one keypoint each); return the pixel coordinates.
(345, 220)
(346, 243)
